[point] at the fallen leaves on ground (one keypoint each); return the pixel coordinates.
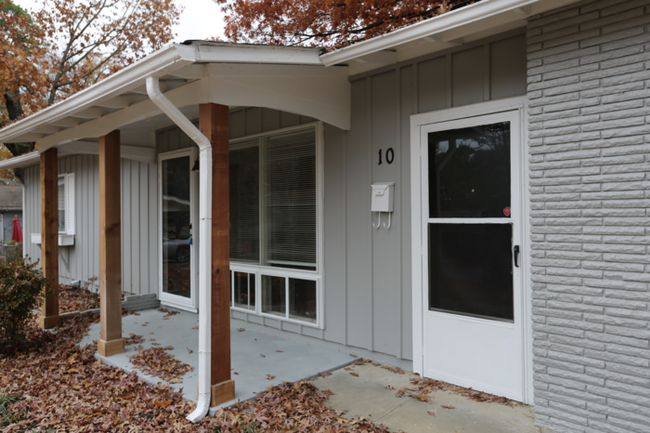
(269, 377)
(448, 407)
(134, 339)
(62, 387)
(240, 329)
(168, 312)
(157, 362)
(76, 299)
(288, 407)
(425, 386)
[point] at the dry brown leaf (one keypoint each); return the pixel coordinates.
(163, 403)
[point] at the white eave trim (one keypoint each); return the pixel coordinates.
(25, 160)
(163, 62)
(469, 16)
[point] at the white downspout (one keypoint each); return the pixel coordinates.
(205, 252)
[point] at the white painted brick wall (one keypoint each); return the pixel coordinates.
(589, 141)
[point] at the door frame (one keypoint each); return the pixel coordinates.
(173, 300)
(418, 241)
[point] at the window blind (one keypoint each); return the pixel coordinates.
(290, 199)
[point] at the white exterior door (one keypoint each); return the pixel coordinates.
(178, 229)
(470, 244)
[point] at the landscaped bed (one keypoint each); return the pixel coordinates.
(48, 382)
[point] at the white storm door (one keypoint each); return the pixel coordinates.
(177, 225)
(471, 225)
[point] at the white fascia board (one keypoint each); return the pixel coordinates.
(134, 153)
(21, 161)
(470, 17)
(161, 62)
(248, 53)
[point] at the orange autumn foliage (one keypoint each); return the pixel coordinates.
(326, 23)
(69, 45)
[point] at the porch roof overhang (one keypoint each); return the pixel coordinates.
(283, 78)
(461, 26)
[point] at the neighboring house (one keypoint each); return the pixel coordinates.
(515, 134)
(11, 205)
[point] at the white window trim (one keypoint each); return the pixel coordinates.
(65, 238)
(68, 188)
(259, 270)
(175, 301)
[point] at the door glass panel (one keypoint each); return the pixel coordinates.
(469, 172)
(470, 269)
(176, 226)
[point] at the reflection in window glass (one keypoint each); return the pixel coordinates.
(302, 300)
(244, 290)
(176, 226)
(470, 269)
(274, 295)
(469, 172)
(245, 204)
(241, 290)
(61, 200)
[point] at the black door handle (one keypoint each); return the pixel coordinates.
(516, 251)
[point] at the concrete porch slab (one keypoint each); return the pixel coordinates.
(254, 355)
(367, 396)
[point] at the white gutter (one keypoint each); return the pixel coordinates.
(24, 160)
(205, 253)
(470, 16)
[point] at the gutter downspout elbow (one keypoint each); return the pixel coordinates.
(205, 252)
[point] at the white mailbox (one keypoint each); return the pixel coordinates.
(382, 197)
(382, 201)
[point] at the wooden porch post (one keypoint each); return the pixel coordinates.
(213, 123)
(110, 252)
(50, 237)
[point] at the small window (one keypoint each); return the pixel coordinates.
(66, 203)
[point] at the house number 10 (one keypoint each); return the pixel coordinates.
(390, 156)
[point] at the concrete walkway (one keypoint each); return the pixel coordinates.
(254, 355)
(367, 396)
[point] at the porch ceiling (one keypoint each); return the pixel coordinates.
(288, 79)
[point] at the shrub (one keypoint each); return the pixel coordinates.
(22, 286)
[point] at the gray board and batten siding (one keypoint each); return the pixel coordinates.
(367, 272)
(139, 223)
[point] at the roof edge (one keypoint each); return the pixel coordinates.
(460, 17)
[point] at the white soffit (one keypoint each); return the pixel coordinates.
(184, 72)
(479, 20)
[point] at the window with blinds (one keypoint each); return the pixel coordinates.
(273, 201)
(290, 200)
